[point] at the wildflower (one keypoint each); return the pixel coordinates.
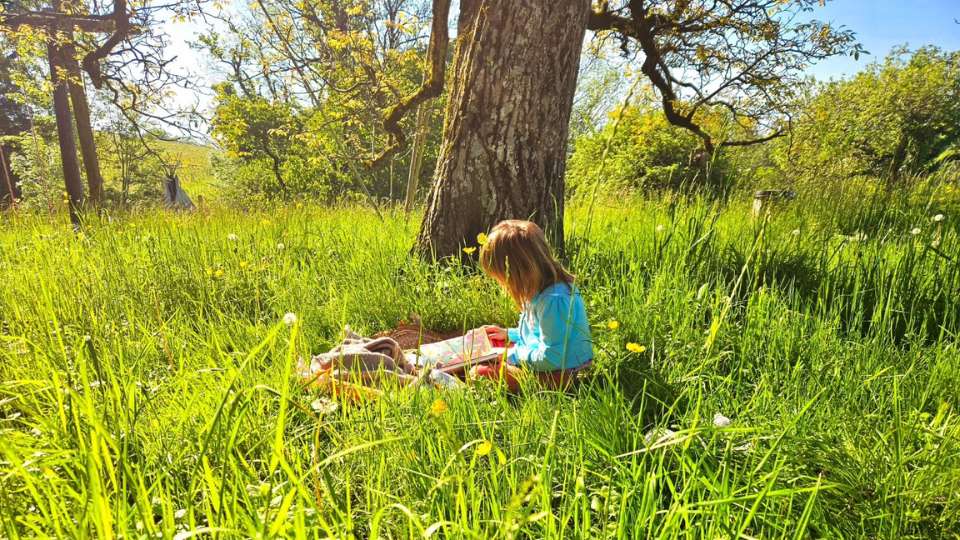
(324, 406)
(721, 421)
(469, 250)
(264, 221)
(179, 514)
(635, 348)
(915, 231)
(438, 407)
(796, 232)
(484, 448)
(935, 243)
(243, 264)
(209, 272)
(218, 273)
(613, 324)
(281, 247)
(938, 218)
(290, 319)
(660, 228)
(482, 238)
(232, 237)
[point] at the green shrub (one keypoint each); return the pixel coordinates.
(893, 120)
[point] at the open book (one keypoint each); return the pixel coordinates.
(456, 353)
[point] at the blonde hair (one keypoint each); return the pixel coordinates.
(516, 254)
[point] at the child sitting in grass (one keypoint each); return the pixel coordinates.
(553, 338)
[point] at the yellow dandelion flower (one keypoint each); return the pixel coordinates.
(209, 272)
(484, 448)
(482, 238)
(218, 273)
(264, 221)
(438, 407)
(613, 324)
(469, 250)
(243, 264)
(636, 348)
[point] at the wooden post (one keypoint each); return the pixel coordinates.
(68, 148)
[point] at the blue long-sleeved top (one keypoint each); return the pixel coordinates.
(553, 333)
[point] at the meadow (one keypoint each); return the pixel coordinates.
(798, 379)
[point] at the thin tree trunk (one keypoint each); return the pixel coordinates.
(416, 157)
(505, 132)
(68, 148)
(81, 112)
(9, 192)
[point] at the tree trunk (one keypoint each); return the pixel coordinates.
(9, 188)
(504, 140)
(68, 148)
(416, 157)
(81, 111)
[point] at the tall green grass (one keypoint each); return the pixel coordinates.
(146, 381)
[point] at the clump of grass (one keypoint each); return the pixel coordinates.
(146, 382)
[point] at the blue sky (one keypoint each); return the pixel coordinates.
(883, 24)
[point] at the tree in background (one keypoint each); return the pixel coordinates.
(638, 149)
(893, 120)
(14, 120)
(746, 56)
(323, 72)
(118, 48)
(515, 71)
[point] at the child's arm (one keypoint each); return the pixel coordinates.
(549, 354)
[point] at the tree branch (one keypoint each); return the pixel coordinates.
(91, 62)
(431, 88)
(45, 19)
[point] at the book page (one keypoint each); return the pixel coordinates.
(474, 345)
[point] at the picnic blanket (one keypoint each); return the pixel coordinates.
(359, 364)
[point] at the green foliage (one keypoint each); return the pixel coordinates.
(637, 149)
(304, 128)
(147, 391)
(893, 120)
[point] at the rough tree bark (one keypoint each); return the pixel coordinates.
(505, 131)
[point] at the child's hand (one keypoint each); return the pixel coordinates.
(495, 332)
